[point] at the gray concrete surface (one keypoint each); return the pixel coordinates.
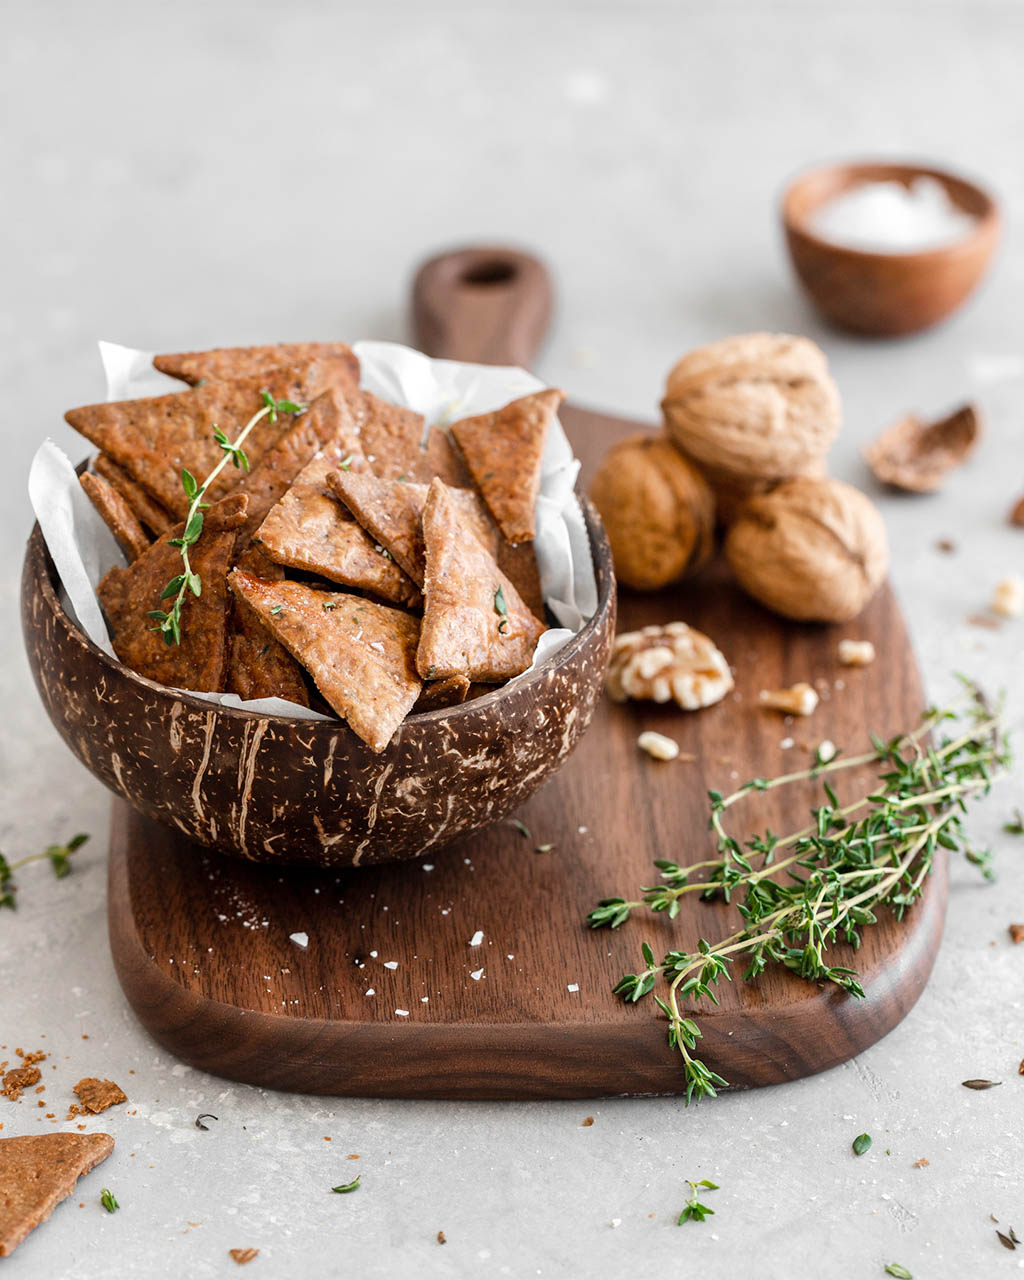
(192, 174)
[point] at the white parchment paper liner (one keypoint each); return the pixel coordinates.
(83, 548)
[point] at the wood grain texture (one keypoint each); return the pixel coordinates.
(202, 945)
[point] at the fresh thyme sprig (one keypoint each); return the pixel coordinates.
(108, 1200)
(694, 1211)
(168, 621)
(58, 855)
(849, 861)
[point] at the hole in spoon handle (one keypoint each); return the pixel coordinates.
(484, 304)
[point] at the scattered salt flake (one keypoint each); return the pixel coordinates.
(826, 751)
(390, 964)
(583, 830)
(428, 866)
(509, 957)
(786, 743)
(373, 955)
(424, 999)
(300, 939)
(477, 974)
(402, 1013)
(573, 986)
(477, 938)
(370, 991)
(616, 1222)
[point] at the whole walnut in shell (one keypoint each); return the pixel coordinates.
(658, 511)
(815, 550)
(751, 411)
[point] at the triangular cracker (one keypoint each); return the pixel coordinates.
(310, 530)
(154, 517)
(128, 595)
(503, 452)
(37, 1172)
(391, 512)
(361, 655)
(518, 562)
(475, 623)
(442, 460)
(247, 362)
(258, 665)
(154, 438)
(117, 515)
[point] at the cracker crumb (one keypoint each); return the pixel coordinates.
(587, 1122)
(1016, 932)
(97, 1095)
(442, 1238)
(18, 1079)
(242, 1256)
(921, 1164)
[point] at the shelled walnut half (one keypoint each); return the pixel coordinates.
(672, 662)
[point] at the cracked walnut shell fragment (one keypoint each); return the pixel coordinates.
(674, 662)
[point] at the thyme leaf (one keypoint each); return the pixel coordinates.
(501, 609)
(861, 1143)
(346, 1187)
(108, 1201)
(838, 870)
(168, 621)
(694, 1211)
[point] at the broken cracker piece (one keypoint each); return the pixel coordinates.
(361, 655)
(915, 455)
(309, 529)
(450, 692)
(156, 437)
(37, 1172)
(116, 514)
(503, 451)
(18, 1079)
(129, 595)
(1017, 514)
(97, 1095)
(242, 1256)
(475, 623)
(799, 700)
(248, 362)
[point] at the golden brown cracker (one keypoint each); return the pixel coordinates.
(259, 666)
(450, 692)
(247, 362)
(156, 437)
(37, 1172)
(503, 451)
(475, 623)
(310, 530)
(361, 655)
(116, 514)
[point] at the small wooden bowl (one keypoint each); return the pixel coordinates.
(275, 789)
(886, 294)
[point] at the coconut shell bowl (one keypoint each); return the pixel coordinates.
(277, 789)
(886, 294)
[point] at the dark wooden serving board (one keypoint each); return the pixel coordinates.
(203, 945)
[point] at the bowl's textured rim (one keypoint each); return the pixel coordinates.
(986, 222)
(600, 550)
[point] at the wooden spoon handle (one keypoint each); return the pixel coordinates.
(483, 305)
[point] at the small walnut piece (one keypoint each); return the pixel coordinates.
(658, 745)
(670, 662)
(799, 700)
(915, 455)
(856, 653)
(814, 550)
(1008, 600)
(658, 512)
(753, 410)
